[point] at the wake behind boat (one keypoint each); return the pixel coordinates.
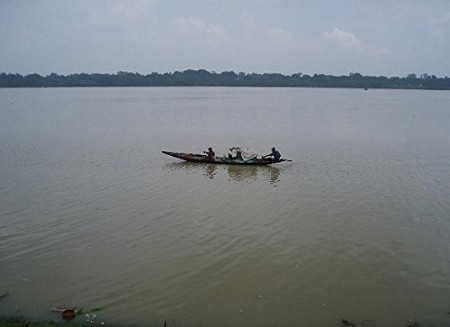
(201, 158)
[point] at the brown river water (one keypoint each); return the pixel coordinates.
(356, 227)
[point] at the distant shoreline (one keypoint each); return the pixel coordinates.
(225, 79)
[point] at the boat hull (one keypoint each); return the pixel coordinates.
(195, 157)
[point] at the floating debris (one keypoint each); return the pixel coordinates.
(90, 318)
(4, 295)
(346, 322)
(68, 314)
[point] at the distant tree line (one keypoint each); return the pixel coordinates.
(205, 78)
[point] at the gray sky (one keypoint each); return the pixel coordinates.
(338, 37)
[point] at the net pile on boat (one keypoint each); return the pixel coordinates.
(244, 154)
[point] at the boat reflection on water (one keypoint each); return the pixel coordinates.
(209, 170)
(242, 173)
(251, 173)
(237, 173)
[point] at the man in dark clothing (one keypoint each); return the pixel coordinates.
(210, 153)
(275, 155)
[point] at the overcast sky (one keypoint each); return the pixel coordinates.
(338, 37)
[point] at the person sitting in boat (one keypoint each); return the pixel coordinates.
(274, 156)
(210, 153)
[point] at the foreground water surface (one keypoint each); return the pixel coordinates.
(92, 214)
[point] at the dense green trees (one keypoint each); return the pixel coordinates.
(205, 78)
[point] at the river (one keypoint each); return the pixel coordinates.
(356, 227)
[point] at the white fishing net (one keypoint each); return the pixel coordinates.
(246, 153)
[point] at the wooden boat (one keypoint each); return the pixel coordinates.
(195, 157)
